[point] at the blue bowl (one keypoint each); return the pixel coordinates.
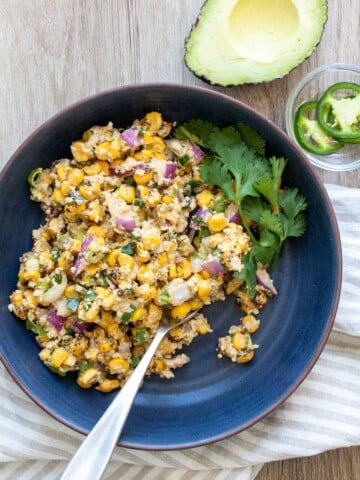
(208, 399)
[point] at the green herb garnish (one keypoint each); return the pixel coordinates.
(235, 161)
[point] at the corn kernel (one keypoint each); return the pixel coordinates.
(105, 168)
(232, 285)
(96, 213)
(93, 169)
(143, 256)
(144, 154)
(114, 331)
(79, 345)
(154, 199)
(108, 150)
(195, 304)
(145, 274)
(75, 176)
(65, 188)
(105, 347)
(217, 222)
(186, 268)
(86, 379)
(142, 179)
(75, 245)
(154, 119)
(112, 257)
(92, 269)
(250, 323)
(238, 341)
(205, 198)
(180, 311)
(31, 300)
(17, 297)
(92, 313)
(203, 329)
(162, 258)
(167, 199)
(58, 357)
(159, 365)
(246, 358)
(108, 385)
(96, 231)
(105, 319)
(139, 314)
(88, 192)
(63, 261)
(125, 260)
(144, 192)
(150, 293)
(118, 365)
(61, 171)
(70, 292)
(126, 193)
(44, 354)
(29, 275)
(173, 272)
(80, 152)
(57, 196)
(204, 287)
(151, 241)
(155, 313)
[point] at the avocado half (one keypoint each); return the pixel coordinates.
(252, 41)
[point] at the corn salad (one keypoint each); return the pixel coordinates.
(131, 233)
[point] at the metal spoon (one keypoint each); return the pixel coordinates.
(93, 455)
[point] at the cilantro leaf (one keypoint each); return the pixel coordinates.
(292, 202)
(272, 222)
(214, 172)
(196, 130)
(248, 273)
(252, 138)
(224, 136)
(269, 186)
(277, 165)
(293, 227)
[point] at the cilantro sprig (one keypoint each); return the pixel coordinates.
(235, 161)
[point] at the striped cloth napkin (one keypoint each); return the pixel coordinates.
(323, 413)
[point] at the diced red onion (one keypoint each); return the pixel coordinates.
(213, 267)
(202, 213)
(170, 169)
(232, 214)
(263, 279)
(197, 152)
(79, 264)
(55, 320)
(81, 327)
(126, 223)
(131, 137)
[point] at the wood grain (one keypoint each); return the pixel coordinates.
(54, 52)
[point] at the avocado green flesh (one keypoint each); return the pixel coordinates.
(247, 41)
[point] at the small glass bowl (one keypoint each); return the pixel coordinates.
(310, 88)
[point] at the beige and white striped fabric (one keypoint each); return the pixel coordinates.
(323, 413)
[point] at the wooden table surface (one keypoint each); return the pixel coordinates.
(54, 52)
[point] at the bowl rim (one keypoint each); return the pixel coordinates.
(318, 160)
(332, 218)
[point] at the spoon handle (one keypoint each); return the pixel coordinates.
(92, 457)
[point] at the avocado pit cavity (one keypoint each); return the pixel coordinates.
(257, 29)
